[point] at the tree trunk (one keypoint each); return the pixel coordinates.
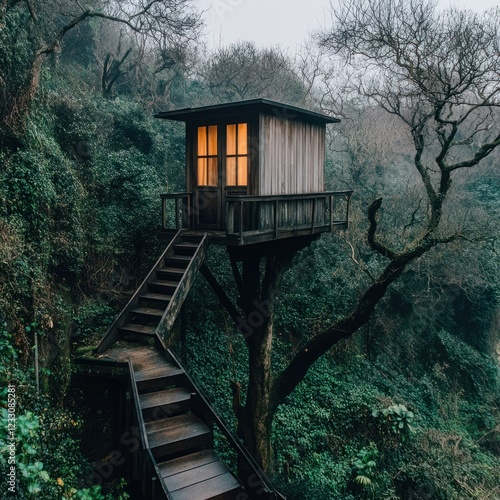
(255, 418)
(257, 301)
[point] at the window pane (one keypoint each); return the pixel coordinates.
(242, 171)
(231, 172)
(231, 139)
(202, 172)
(202, 141)
(212, 172)
(212, 140)
(242, 138)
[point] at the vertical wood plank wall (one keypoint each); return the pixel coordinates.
(292, 156)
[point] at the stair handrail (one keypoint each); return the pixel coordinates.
(165, 325)
(233, 440)
(112, 332)
(144, 436)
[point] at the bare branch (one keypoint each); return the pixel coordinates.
(372, 232)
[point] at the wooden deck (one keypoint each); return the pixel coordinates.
(253, 219)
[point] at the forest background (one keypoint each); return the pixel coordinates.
(406, 408)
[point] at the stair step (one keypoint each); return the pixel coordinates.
(194, 476)
(148, 311)
(222, 487)
(166, 286)
(166, 403)
(158, 377)
(187, 462)
(171, 273)
(171, 422)
(178, 260)
(189, 244)
(159, 298)
(138, 329)
(186, 248)
(177, 434)
(174, 271)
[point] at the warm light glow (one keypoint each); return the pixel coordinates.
(237, 154)
(207, 156)
(242, 139)
(231, 139)
(242, 171)
(202, 141)
(212, 140)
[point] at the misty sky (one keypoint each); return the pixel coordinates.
(284, 22)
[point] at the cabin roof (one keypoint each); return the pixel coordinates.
(267, 106)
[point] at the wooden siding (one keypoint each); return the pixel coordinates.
(291, 156)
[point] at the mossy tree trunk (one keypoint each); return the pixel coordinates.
(262, 268)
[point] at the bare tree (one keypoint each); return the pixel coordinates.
(160, 22)
(242, 71)
(436, 75)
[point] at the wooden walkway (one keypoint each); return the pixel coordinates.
(180, 440)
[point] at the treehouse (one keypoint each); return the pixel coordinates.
(255, 171)
(255, 182)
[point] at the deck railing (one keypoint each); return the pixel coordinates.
(178, 207)
(282, 215)
(266, 216)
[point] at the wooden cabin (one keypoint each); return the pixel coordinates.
(255, 171)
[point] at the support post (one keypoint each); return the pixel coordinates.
(164, 213)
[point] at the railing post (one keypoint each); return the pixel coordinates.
(313, 214)
(177, 213)
(331, 201)
(241, 221)
(184, 210)
(276, 219)
(348, 209)
(229, 217)
(164, 213)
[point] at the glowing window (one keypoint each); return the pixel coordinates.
(237, 154)
(207, 156)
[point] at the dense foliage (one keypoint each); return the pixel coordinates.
(407, 409)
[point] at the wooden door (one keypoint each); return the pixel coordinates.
(207, 193)
(221, 167)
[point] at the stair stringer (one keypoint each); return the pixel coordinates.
(181, 292)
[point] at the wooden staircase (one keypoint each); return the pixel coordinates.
(175, 420)
(152, 310)
(175, 431)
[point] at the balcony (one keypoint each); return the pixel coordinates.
(251, 219)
